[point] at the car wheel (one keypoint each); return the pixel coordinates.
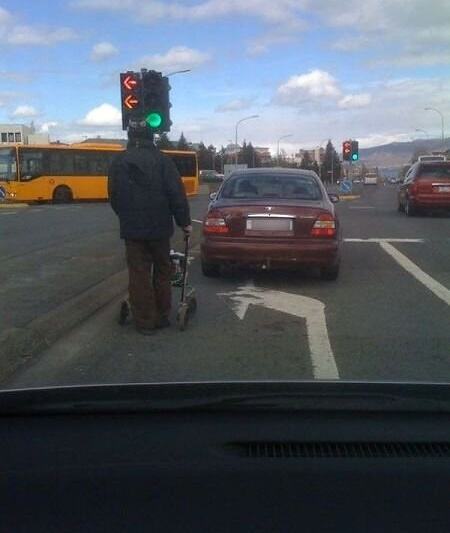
(410, 210)
(62, 195)
(209, 270)
(329, 273)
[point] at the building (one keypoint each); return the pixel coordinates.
(15, 133)
(316, 154)
(21, 134)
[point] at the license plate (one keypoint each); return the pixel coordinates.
(269, 224)
(444, 189)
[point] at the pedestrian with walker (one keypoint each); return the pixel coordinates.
(146, 193)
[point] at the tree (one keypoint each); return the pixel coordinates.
(331, 164)
(182, 143)
(203, 159)
(211, 156)
(315, 167)
(163, 142)
(307, 163)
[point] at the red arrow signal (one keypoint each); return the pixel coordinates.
(129, 83)
(131, 101)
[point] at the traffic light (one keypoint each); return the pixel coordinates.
(130, 93)
(155, 101)
(355, 151)
(347, 150)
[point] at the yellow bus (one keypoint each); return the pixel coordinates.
(62, 173)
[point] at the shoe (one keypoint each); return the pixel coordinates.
(163, 323)
(146, 331)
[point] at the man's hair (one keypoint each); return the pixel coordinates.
(139, 131)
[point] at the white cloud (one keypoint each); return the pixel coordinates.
(234, 105)
(177, 58)
(351, 101)
(46, 126)
(315, 85)
(25, 111)
(283, 17)
(102, 51)
(15, 33)
(102, 115)
(27, 35)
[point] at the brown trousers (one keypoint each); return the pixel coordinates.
(149, 271)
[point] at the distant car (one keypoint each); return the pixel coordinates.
(370, 179)
(272, 218)
(426, 186)
(357, 180)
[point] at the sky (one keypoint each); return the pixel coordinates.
(310, 69)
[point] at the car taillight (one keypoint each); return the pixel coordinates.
(324, 226)
(215, 224)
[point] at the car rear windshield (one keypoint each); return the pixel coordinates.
(272, 186)
(437, 171)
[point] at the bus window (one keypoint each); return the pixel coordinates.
(31, 164)
(185, 164)
(98, 164)
(8, 166)
(80, 164)
(61, 162)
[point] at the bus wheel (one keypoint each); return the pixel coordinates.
(62, 195)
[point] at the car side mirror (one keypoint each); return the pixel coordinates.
(213, 196)
(334, 198)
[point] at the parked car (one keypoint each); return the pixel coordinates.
(272, 218)
(426, 186)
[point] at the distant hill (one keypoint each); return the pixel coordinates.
(398, 153)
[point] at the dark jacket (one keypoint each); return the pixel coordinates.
(146, 193)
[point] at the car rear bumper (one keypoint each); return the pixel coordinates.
(431, 201)
(309, 252)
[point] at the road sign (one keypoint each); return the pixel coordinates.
(346, 186)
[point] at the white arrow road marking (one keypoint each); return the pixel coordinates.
(434, 286)
(313, 311)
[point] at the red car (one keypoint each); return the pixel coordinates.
(426, 186)
(272, 218)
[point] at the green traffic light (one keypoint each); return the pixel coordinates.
(154, 120)
(355, 157)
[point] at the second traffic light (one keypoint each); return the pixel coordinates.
(350, 151)
(155, 101)
(355, 151)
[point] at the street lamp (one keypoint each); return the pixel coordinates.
(278, 145)
(178, 72)
(423, 131)
(442, 121)
(236, 136)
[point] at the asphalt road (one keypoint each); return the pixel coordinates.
(387, 317)
(52, 253)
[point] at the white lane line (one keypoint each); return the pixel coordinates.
(197, 221)
(9, 213)
(434, 286)
(312, 310)
(361, 207)
(383, 240)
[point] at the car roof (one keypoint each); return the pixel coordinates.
(273, 170)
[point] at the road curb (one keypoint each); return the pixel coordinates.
(349, 197)
(13, 206)
(19, 345)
